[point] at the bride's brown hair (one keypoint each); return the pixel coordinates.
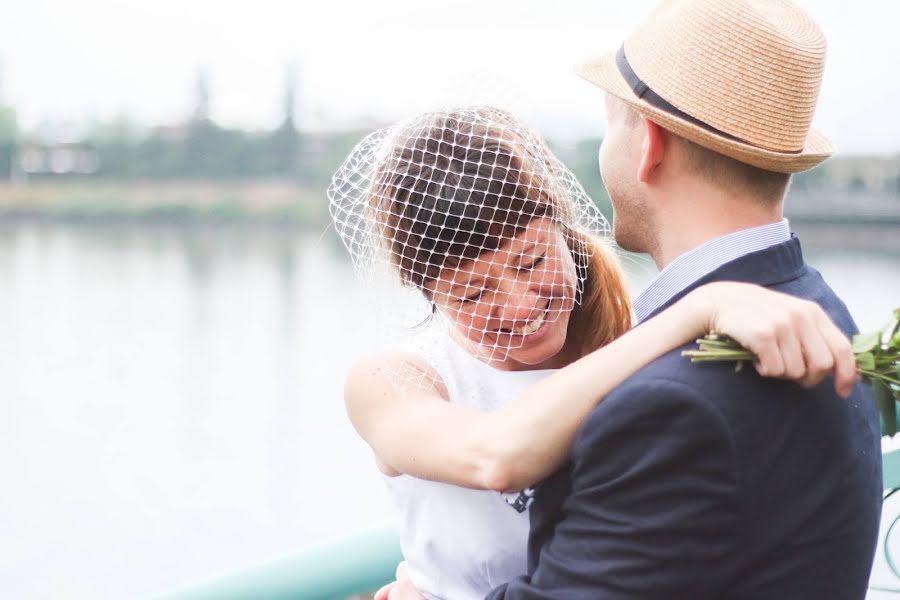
(460, 186)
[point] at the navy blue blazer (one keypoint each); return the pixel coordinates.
(693, 481)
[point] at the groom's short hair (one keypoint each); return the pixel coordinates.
(732, 175)
(725, 172)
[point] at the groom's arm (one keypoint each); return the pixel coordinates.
(653, 507)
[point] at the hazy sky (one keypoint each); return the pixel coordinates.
(76, 61)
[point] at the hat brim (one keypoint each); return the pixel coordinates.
(604, 73)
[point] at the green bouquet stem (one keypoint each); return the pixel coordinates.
(877, 362)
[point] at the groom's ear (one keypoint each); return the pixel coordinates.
(653, 150)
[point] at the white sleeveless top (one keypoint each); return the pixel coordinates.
(461, 543)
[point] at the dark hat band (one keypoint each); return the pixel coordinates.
(643, 91)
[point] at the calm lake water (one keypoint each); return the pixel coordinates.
(171, 398)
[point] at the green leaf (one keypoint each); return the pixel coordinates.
(866, 361)
(866, 342)
(887, 406)
(895, 341)
(892, 328)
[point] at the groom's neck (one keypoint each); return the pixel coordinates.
(693, 214)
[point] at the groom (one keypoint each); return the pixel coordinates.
(693, 481)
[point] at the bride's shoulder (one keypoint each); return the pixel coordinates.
(387, 363)
(392, 373)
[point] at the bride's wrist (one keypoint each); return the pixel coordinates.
(698, 311)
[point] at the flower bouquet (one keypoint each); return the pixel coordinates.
(877, 362)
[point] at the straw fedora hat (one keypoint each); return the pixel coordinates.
(740, 77)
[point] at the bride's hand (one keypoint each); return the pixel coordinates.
(791, 337)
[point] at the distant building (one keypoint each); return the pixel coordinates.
(63, 158)
(875, 174)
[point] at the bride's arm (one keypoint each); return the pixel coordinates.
(421, 434)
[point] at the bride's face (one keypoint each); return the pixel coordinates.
(511, 306)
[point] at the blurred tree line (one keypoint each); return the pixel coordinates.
(9, 137)
(200, 148)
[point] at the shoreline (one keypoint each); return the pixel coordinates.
(266, 201)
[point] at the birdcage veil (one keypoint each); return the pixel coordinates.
(442, 210)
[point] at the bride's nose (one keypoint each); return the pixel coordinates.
(518, 302)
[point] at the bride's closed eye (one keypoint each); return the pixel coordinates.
(472, 297)
(534, 264)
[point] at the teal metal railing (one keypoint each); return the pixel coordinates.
(886, 583)
(335, 571)
(365, 562)
(891, 470)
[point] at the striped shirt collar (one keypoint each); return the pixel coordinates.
(704, 259)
